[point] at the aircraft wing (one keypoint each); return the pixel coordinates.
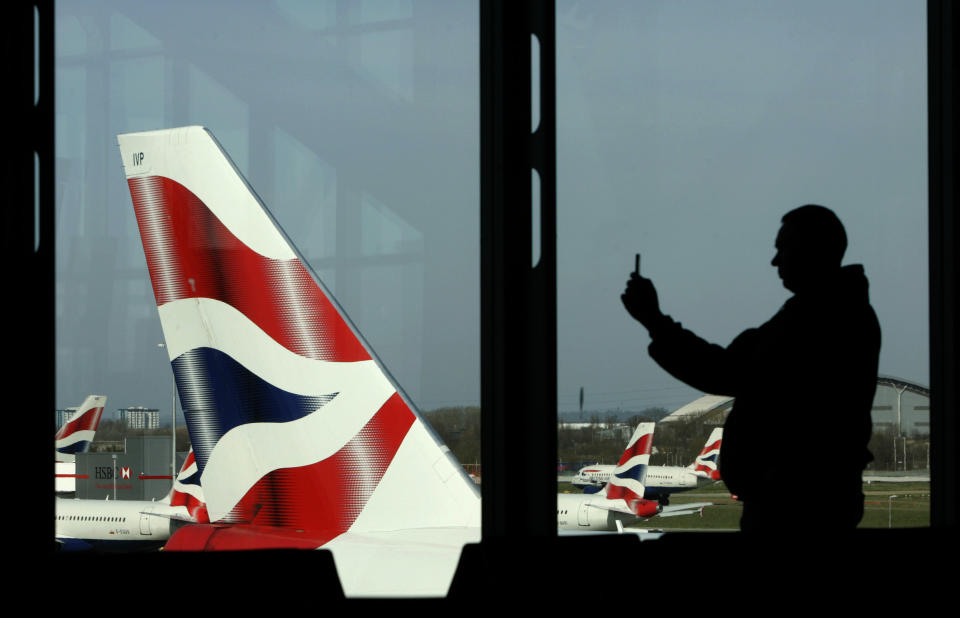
(173, 516)
(618, 506)
(644, 534)
(667, 511)
(683, 509)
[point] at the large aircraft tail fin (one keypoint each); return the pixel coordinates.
(294, 422)
(76, 434)
(706, 462)
(628, 477)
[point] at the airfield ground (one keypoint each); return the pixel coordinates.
(909, 508)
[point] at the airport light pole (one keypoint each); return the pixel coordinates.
(899, 416)
(890, 510)
(895, 453)
(900, 429)
(173, 424)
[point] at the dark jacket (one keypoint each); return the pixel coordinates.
(804, 384)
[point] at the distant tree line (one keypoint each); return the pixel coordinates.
(677, 442)
(619, 416)
(110, 431)
(592, 443)
(459, 428)
(888, 450)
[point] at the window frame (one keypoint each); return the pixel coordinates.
(517, 412)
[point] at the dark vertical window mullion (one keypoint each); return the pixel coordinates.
(28, 232)
(518, 302)
(543, 315)
(944, 267)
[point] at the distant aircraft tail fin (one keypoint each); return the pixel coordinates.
(76, 434)
(706, 462)
(628, 477)
(294, 421)
(187, 492)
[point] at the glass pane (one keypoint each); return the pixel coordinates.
(355, 123)
(685, 132)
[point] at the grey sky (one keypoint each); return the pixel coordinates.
(685, 130)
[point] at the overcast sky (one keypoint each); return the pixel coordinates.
(685, 131)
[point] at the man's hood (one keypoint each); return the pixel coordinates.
(852, 283)
(848, 286)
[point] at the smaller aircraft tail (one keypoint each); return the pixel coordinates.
(76, 434)
(187, 492)
(705, 464)
(627, 480)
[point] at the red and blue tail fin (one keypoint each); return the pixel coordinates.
(294, 421)
(187, 492)
(77, 433)
(707, 461)
(628, 477)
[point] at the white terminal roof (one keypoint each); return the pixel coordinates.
(707, 403)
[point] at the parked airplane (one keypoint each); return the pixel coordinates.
(77, 433)
(661, 481)
(706, 463)
(302, 439)
(621, 501)
(129, 525)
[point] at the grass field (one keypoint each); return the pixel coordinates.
(909, 509)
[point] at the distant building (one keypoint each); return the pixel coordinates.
(64, 415)
(139, 417)
(902, 405)
(603, 430)
(142, 471)
(897, 403)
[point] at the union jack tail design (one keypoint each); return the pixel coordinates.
(628, 477)
(186, 490)
(706, 463)
(77, 433)
(295, 425)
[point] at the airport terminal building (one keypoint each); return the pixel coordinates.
(142, 471)
(897, 403)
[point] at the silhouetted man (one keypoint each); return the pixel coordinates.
(795, 444)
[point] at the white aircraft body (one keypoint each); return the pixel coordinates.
(302, 438)
(661, 481)
(621, 502)
(123, 525)
(129, 525)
